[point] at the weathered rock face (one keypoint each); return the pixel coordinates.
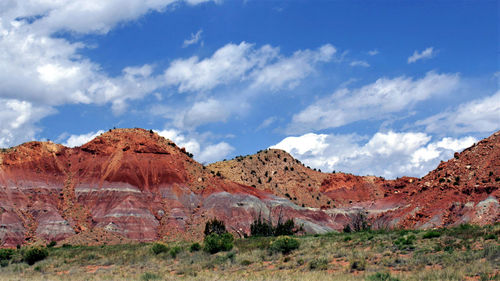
(127, 183)
(131, 184)
(461, 190)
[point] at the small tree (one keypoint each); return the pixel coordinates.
(359, 221)
(215, 226)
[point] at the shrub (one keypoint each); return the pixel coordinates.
(51, 244)
(286, 228)
(318, 264)
(431, 234)
(175, 251)
(214, 226)
(285, 245)
(246, 262)
(405, 243)
(381, 277)
(35, 254)
(6, 254)
(357, 265)
(261, 227)
(158, 248)
(215, 243)
(149, 276)
(195, 247)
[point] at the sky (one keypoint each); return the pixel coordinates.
(385, 88)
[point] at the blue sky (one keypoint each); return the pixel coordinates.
(386, 88)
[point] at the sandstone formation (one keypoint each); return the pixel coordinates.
(127, 182)
(133, 185)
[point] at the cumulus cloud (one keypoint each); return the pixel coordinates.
(18, 120)
(78, 140)
(359, 63)
(215, 152)
(373, 52)
(42, 70)
(195, 38)
(373, 101)
(480, 115)
(388, 154)
(203, 153)
(260, 67)
(425, 54)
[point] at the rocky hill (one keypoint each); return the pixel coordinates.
(131, 184)
(125, 184)
(463, 189)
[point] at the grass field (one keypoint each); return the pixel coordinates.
(461, 253)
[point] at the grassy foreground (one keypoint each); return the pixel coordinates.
(461, 253)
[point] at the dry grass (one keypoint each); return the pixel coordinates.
(466, 253)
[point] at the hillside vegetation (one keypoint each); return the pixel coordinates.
(461, 253)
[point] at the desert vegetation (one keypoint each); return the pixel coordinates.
(465, 252)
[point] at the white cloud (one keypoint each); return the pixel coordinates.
(195, 38)
(18, 119)
(389, 154)
(425, 54)
(359, 63)
(41, 70)
(203, 153)
(373, 101)
(78, 140)
(266, 123)
(373, 52)
(480, 115)
(262, 67)
(287, 72)
(215, 152)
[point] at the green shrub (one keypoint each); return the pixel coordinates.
(431, 234)
(215, 243)
(195, 247)
(51, 244)
(490, 236)
(318, 264)
(357, 265)
(175, 251)
(158, 248)
(6, 254)
(260, 227)
(4, 263)
(381, 277)
(35, 254)
(287, 228)
(214, 226)
(284, 244)
(246, 262)
(405, 242)
(149, 276)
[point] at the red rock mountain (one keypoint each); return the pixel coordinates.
(125, 184)
(464, 189)
(131, 184)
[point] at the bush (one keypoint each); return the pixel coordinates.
(260, 227)
(158, 248)
(51, 244)
(264, 228)
(215, 226)
(405, 243)
(149, 276)
(175, 251)
(35, 254)
(6, 254)
(381, 277)
(431, 234)
(195, 247)
(318, 264)
(285, 245)
(215, 243)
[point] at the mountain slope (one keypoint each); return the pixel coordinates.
(126, 182)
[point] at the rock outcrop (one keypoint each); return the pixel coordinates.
(129, 183)
(133, 185)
